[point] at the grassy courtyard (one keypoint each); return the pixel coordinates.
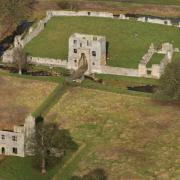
(130, 137)
(127, 41)
(156, 59)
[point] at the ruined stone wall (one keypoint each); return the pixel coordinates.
(79, 13)
(39, 27)
(110, 15)
(47, 61)
(8, 56)
(157, 69)
(155, 21)
(119, 71)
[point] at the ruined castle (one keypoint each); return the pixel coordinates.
(15, 142)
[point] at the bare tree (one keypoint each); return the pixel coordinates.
(19, 60)
(50, 142)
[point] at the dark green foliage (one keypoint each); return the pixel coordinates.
(50, 144)
(169, 88)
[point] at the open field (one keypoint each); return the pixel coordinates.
(119, 84)
(16, 168)
(165, 8)
(172, 2)
(19, 97)
(128, 40)
(130, 137)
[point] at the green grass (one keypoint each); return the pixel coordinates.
(119, 84)
(128, 40)
(130, 137)
(112, 83)
(156, 59)
(16, 168)
(51, 100)
(38, 78)
(176, 56)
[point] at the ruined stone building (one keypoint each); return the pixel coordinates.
(15, 142)
(87, 49)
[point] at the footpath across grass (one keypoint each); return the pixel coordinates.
(130, 137)
(127, 41)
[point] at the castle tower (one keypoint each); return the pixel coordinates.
(29, 130)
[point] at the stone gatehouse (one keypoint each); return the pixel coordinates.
(90, 49)
(15, 142)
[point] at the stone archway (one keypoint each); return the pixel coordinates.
(3, 151)
(84, 59)
(83, 64)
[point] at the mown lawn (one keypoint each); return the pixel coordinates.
(176, 56)
(127, 41)
(130, 137)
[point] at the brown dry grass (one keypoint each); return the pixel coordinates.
(156, 10)
(19, 97)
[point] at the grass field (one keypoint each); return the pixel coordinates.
(16, 168)
(128, 40)
(130, 137)
(156, 59)
(119, 84)
(19, 97)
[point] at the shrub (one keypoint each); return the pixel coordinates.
(169, 84)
